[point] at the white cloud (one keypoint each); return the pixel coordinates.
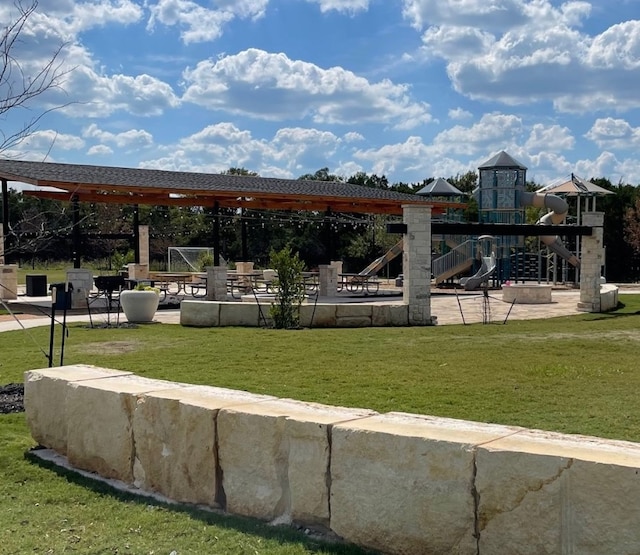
(612, 133)
(99, 95)
(273, 87)
(133, 138)
(43, 140)
(200, 24)
(459, 114)
(519, 52)
(473, 13)
(353, 137)
(100, 150)
(492, 131)
(349, 6)
(552, 137)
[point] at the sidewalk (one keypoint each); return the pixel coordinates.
(446, 305)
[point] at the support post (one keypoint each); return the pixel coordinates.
(4, 248)
(77, 238)
(416, 264)
(243, 235)
(136, 234)
(591, 263)
(216, 234)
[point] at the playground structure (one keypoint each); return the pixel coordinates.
(502, 199)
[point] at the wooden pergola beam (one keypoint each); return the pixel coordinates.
(229, 200)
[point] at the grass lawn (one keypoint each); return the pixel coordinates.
(577, 374)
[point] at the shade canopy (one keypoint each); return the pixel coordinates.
(159, 187)
(577, 187)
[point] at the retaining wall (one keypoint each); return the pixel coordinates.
(321, 315)
(397, 483)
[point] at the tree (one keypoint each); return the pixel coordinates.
(19, 86)
(22, 81)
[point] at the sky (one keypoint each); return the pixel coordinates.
(407, 89)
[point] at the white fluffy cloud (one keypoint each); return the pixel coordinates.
(348, 6)
(200, 24)
(273, 87)
(133, 138)
(518, 52)
(612, 133)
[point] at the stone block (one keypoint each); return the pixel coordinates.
(45, 399)
(351, 310)
(99, 421)
(526, 294)
(544, 493)
(390, 315)
(200, 313)
(176, 441)
(324, 315)
(241, 314)
(275, 458)
(403, 484)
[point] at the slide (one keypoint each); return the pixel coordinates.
(379, 263)
(558, 212)
(487, 268)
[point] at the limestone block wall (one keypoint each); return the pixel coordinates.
(321, 315)
(397, 483)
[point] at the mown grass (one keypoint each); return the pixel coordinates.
(576, 374)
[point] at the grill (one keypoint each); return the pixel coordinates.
(109, 284)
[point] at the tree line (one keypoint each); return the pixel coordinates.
(40, 229)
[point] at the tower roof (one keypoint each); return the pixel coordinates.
(440, 188)
(502, 160)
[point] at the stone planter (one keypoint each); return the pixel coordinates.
(139, 306)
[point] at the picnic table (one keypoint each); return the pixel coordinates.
(358, 283)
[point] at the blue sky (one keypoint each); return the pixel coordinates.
(409, 89)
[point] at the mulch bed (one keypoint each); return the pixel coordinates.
(11, 398)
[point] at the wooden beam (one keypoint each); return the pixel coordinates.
(262, 202)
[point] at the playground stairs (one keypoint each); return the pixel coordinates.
(458, 260)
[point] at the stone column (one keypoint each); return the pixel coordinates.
(591, 262)
(82, 282)
(9, 282)
(327, 280)
(138, 271)
(217, 283)
(416, 264)
(337, 264)
(143, 245)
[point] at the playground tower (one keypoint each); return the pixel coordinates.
(501, 183)
(502, 180)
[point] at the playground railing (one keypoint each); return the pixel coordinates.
(449, 262)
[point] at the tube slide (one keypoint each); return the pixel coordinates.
(558, 212)
(487, 268)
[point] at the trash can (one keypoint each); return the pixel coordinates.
(36, 285)
(61, 298)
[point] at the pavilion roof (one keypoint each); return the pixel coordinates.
(160, 187)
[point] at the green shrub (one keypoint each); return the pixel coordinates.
(289, 285)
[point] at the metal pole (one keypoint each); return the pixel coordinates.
(243, 235)
(216, 234)
(5, 221)
(136, 234)
(77, 238)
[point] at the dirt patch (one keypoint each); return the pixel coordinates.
(11, 398)
(109, 347)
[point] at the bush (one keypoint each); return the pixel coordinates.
(290, 288)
